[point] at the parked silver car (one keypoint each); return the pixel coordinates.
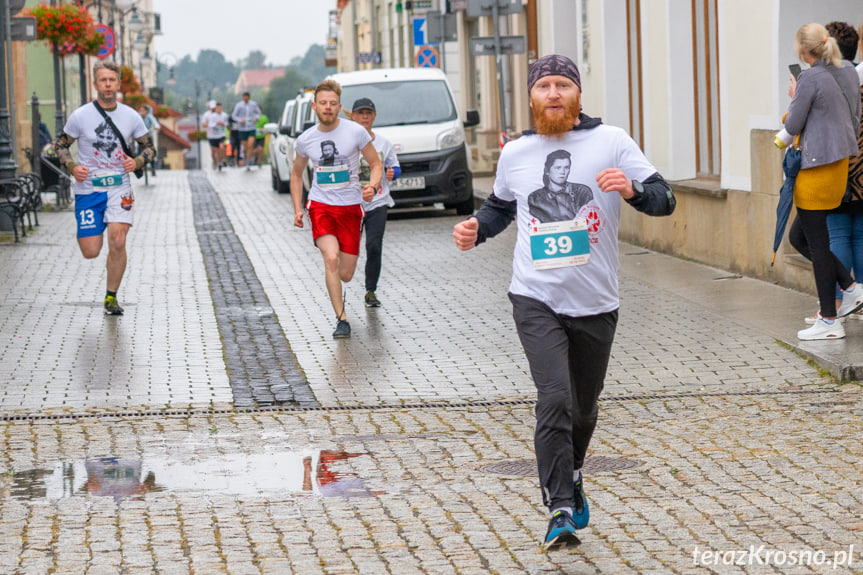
(295, 116)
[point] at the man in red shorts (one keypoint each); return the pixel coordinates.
(335, 198)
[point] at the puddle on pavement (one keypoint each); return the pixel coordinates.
(301, 472)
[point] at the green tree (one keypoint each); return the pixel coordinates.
(312, 64)
(255, 60)
(283, 89)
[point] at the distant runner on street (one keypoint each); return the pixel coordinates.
(564, 289)
(375, 221)
(246, 113)
(260, 138)
(215, 121)
(335, 199)
(103, 189)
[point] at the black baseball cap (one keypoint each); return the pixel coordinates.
(363, 104)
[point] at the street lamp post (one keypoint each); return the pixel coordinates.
(143, 59)
(121, 7)
(140, 45)
(171, 81)
(209, 85)
(8, 167)
(58, 97)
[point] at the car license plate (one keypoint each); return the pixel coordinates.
(411, 183)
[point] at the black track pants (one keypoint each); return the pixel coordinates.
(568, 359)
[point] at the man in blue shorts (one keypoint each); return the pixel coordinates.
(103, 189)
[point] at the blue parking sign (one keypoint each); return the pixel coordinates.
(419, 31)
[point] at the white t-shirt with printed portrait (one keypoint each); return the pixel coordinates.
(335, 157)
(389, 159)
(580, 290)
(98, 146)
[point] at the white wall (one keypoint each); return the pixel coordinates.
(680, 104)
(610, 53)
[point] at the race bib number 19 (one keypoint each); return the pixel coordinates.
(333, 177)
(559, 244)
(105, 180)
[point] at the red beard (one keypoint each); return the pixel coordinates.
(556, 122)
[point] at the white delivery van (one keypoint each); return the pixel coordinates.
(416, 111)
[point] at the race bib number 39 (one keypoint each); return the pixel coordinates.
(559, 244)
(333, 177)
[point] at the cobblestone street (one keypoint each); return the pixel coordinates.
(218, 428)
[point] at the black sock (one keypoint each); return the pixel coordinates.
(110, 293)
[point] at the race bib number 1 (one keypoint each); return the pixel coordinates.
(559, 244)
(333, 177)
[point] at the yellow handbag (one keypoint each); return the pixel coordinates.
(822, 187)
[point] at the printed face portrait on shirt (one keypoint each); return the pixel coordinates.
(558, 200)
(557, 173)
(330, 154)
(106, 141)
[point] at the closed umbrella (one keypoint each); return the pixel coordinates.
(791, 167)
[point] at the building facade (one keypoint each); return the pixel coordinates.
(33, 68)
(700, 85)
(394, 34)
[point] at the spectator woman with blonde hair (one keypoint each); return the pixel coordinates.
(825, 112)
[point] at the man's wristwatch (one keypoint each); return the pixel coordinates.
(637, 187)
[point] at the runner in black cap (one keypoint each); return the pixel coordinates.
(374, 222)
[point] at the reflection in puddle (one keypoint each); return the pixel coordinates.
(235, 474)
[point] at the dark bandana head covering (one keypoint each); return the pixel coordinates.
(553, 65)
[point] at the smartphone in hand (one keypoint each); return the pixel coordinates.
(795, 70)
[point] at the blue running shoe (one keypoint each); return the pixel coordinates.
(561, 531)
(580, 510)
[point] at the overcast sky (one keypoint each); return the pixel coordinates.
(281, 29)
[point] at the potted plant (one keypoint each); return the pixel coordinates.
(136, 100)
(128, 82)
(67, 28)
(196, 135)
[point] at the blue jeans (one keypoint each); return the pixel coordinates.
(846, 242)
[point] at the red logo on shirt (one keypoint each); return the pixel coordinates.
(595, 221)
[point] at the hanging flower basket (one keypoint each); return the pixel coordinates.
(196, 135)
(68, 27)
(128, 81)
(137, 100)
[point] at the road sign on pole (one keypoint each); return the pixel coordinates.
(23, 29)
(477, 8)
(441, 27)
(369, 58)
(427, 57)
(484, 46)
(421, 32)
(109, 45)
(497, 46)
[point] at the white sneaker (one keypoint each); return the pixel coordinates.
(852, 300)
(810, 319)
(822, 330)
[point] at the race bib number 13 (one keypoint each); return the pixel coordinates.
(333, 177)
(559, 244)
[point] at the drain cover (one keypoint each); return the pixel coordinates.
(527, 467)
